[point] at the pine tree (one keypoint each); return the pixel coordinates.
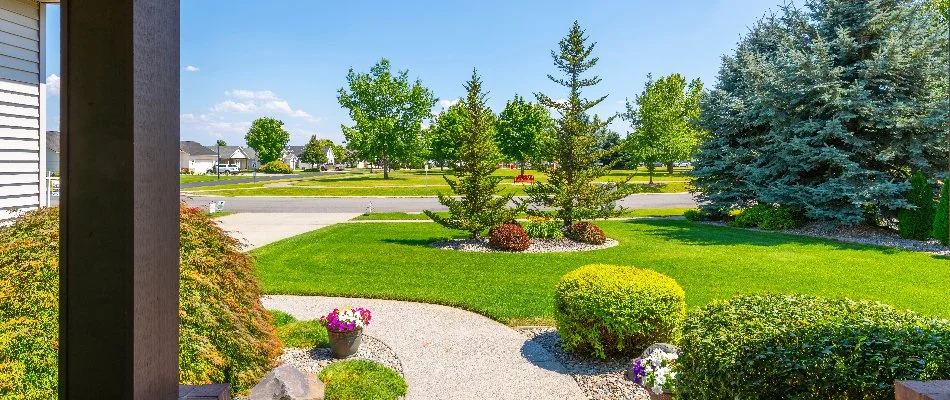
(571, 189)
(480, 205)
(941, 230)
(917, 223)
(825, 109)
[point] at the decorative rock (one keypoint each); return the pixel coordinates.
(537, 246)
(288, 383)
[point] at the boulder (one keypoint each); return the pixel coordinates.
(288, 383)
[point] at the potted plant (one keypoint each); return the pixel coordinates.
(655, 373)
(345, 328)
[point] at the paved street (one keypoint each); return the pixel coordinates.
(385, 204)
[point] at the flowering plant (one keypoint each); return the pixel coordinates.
(346, 320)
(656, 372)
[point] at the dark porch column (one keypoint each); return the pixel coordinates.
(119, 260)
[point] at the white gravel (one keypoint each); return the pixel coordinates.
(448, 353)
(315, 360)
(537, 246)
(598, 379)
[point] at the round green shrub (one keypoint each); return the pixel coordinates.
(510, 237)
(276, 167)
(917, 223)
(807, 347)
(586, 232)
(611, 310)
(361, 380)
(225, 335)
(768, 217)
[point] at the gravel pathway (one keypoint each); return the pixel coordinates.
(315, 360)
(448, 353)
(537, 246)
(598, 379)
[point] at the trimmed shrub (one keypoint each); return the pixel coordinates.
(768, 217)
(941, 229)
(917, 223)
(510, 237)
(276, 167)
(361, 380)
(543, 228)
(586, 232)
(225, 336)
(807, 347)
(610, 310)
(694, 215)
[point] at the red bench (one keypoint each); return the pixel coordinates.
(524, 179)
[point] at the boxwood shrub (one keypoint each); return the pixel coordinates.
(276, 167)
(612, 310)
(225, 335)
(362, 380)
(807, 347)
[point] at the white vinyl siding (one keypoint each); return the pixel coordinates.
(21, 75)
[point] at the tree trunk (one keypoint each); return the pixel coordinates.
(650, 170)
(385, 167)
(669, 168)
(522, 168)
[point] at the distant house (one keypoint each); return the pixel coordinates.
(195, 157)
(243, 157)
(52, 151)
(292, 155)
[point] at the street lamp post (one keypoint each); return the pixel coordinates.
(217, 167)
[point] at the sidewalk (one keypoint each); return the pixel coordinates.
(258, 229)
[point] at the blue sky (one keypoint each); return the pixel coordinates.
(246, 59)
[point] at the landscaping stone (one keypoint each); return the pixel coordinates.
(537, 246)
(315, 360)
(288, 383)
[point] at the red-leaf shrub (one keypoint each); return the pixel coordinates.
(511, 237)
(586, 232)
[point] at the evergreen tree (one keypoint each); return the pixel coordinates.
(313, 152)
(522, 126)
(917, 223)
(571, 189)
(941, 230)
(481, 204)
(825, 109)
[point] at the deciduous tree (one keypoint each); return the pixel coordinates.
(522, 125)
(445, 135)
(313, 153)
(268, 138)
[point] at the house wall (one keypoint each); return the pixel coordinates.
(22, 97)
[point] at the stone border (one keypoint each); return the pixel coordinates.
(537, 246)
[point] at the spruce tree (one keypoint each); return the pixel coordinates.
(917, 223)
(571, 190)
(825, 109)
(941, 230)
(480, 205)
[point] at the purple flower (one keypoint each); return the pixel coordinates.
(639, 371)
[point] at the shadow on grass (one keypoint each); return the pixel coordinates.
(412, 242)
(700, 234)
(359, 178)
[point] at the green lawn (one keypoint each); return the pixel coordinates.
(393, 260)
(633, 213)
(206, 178)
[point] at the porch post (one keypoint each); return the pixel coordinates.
(119, 212)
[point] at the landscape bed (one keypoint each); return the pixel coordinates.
(395, 261)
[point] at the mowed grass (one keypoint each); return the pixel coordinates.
(632, 213)
(206, 178)
(394, 260)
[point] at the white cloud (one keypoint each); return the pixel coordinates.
(251, 95)
(448, 103)
(53, 85)
(248, 101)
(192, 68)
(231, 105)
(188, 117)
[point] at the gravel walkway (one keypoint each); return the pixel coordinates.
(448, 353)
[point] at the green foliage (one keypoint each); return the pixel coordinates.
(313, 152)
(481, 204)
(543, 228)
(662, 118)
(807, 347)
(29, 312)
(523, 128)
(768, 217)
(268, 138)
(221, 143)
(694, 215)
(607, 309)
(941, 225)
(445, 135)
(303, 334)
(388, 111)
(281, 318)
(586, 232)
(815, 111)
(276, 167)
(362, 380)
(509, 237)
(570, 190)
(917, 223)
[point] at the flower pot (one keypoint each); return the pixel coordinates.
(345, 344)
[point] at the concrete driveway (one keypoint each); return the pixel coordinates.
(258, 229)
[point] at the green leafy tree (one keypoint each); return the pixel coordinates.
(815, 111)
(941, 230)
(268, 138)
(662, 118)
(313, 152)
(445, 135)
(481, 204)
(339, 153)
(221, 142)
(388, 111)
(522, 126)
(917, 223)
(571, 190)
